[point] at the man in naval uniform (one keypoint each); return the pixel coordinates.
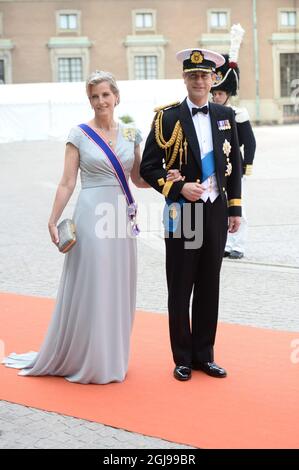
(200, 139)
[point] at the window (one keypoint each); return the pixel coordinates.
(289, 111)
(68, 21)
(6, 46)
(219, 19)
(70, 69)
(69, 58)
(288, 19)
(146, 56)
(2, 75)
(144, 20)
(146, 67)
(289, 71)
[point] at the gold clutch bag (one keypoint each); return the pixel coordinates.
(67, 235)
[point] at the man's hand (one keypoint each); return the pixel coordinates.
(234, 224)
(192, 191)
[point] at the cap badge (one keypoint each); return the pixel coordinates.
(196, 57)
(218, 77)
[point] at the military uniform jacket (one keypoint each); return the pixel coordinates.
(226, 154)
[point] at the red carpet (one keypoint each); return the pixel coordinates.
(256, 406)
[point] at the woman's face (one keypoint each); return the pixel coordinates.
(102, 99)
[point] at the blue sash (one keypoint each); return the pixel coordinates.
(118, 170)
(207, 165)
(172, 209)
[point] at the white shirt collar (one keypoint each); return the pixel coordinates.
(192, 105)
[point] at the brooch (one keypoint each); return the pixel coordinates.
(226, 148)
(229, 167)
(224, 125)
(129, 133)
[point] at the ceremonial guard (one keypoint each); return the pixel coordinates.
(227, 85)
(200, 139)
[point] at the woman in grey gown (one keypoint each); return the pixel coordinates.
(88, 337)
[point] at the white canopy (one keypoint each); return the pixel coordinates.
(41, 111)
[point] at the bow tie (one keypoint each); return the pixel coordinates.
(203, 109)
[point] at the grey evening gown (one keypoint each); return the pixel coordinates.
(88, 337)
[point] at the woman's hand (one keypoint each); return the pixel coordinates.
(53, 233)
(174, 175)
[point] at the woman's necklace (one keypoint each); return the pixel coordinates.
(110, 141)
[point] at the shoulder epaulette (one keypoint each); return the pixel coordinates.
(166, 106)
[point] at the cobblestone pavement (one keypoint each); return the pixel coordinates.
(260, 290)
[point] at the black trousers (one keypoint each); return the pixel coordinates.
(195, 270)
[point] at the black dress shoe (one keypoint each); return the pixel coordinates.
(182, 372)
(236, 255)
(226, 254)
(210, 368)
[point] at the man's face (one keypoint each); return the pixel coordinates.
(220, 97)
(198, 85)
